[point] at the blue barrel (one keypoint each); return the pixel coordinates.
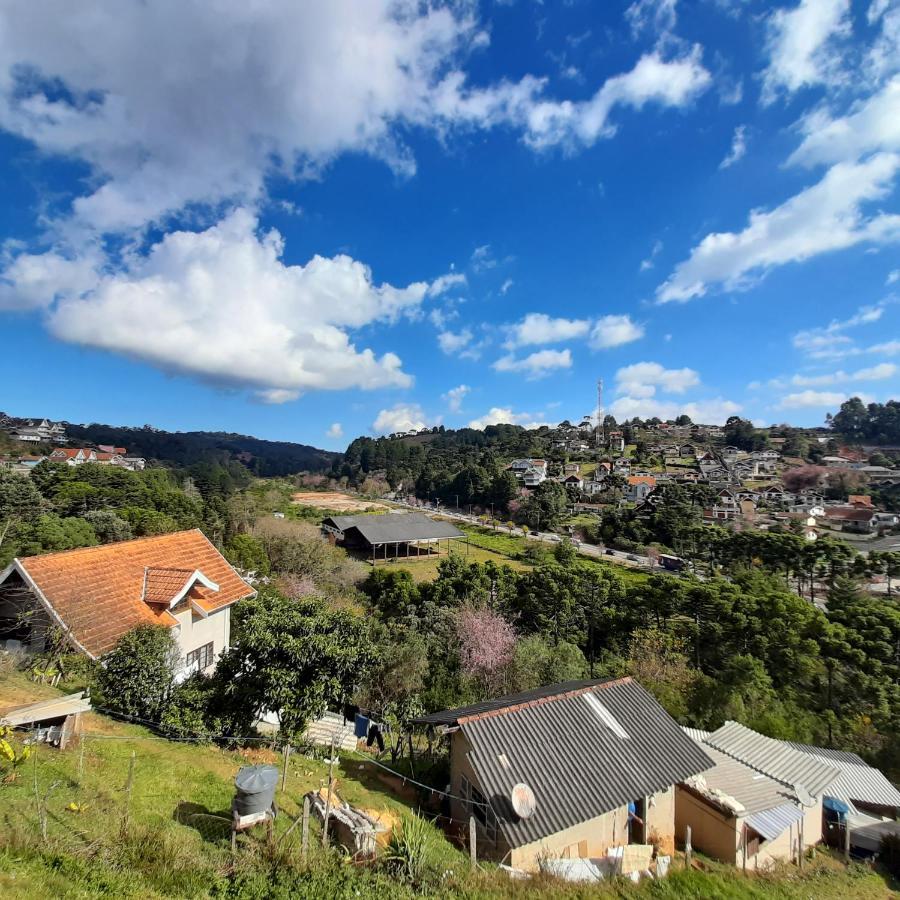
(255, 789)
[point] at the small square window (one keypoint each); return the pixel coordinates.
(200, 659)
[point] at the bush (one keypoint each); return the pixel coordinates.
(410, 853)
(188, 709)
(890, 853)
(138, 675)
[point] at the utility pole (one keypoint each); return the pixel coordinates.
(328, 796)
(599, 413)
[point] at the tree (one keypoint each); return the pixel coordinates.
(565, 553)
(247, 553)
(290, 657)
(137, 677)
(108, 526)
(20, 501)
(546, 505)
(486, 644)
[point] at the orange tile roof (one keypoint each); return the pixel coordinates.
(642, 479)
(97, 591)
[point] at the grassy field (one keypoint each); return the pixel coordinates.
(426, 568)
(64, 833)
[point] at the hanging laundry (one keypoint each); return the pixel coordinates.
(375, 737)
(350, 711)
(361, 725)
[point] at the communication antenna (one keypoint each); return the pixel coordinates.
(599, 412)
(523, 800)
(804, 796)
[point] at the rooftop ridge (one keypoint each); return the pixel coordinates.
(99, 547)
(539, 701)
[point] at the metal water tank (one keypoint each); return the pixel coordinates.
(255, 789)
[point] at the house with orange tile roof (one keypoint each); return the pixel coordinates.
(94, 595)
(639, 487)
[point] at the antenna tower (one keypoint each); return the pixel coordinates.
(599, 412)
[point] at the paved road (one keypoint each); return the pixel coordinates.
(618, 557)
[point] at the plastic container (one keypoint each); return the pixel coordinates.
(255, 789)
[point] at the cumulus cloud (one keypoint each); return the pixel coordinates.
(335, 430)
(655, 16)
(805, 46)
(738, 147)
(452, 342)
(614, 331)
(455, 397)
(872, 373)
(602, 333)
(831, 215)
(286, 88)
(539, 328)
(708, 412)
(893, 277)
(537, 364)
(830, 340)
(402, 417)
(504, 415)
(872, 124)
(810, 399)
(222, 306)
(642, 379)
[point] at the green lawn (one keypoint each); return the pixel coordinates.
(426, 568)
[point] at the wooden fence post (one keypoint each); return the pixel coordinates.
(328, 797)
(82, 741)
(744, 850)
(800, 846)
(846, 839)
(473, 856)
(687, 848)
(286, 754)
(128, 786)
(304, 843)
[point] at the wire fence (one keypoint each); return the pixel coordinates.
(109, 786)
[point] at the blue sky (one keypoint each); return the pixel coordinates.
(311, 221)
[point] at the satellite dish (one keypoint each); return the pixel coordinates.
(804, 796)
(523, 801)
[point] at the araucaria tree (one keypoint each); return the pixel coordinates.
(290, 657)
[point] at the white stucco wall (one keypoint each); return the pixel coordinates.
(194, 631)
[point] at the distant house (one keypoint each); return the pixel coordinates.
(94, 595)
(599, 758)
(531, 472)
(622, 465)
(616, 442)
(38, 431)
(639, 487)
(730, 455)
(857, 519)
(758, 802)
(573, 481)
(73, 456)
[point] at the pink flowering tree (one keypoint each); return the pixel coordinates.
(486, 644)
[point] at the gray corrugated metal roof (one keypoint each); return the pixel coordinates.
(857, 780)
(772, 822)
(773, 758)
(753, 790)
(386, 529)
(697, 734)
(568, 750)
(451, 716)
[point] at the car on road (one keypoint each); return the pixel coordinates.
(632, 557)
(609, 551)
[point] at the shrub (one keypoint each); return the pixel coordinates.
(410, 853)
(138, 675)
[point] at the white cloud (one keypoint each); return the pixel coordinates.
(539, 328)
(825, 217)
(335, 430)
(888, 348)
(804, 46)
(674, 83)
(873, 124)
(873, 373)
(452, 342)
(455, 397)
(614, 331)
(657, 16)
(402, 417)
(537, 364)
(707, 412)
(810, 398)
(445, 282)
(738, 147)
(504, 288)
(650, 261)
(285, 88)
(643, 378)
(504, 415)
(483, 259)
(36, 281)
(222, 306)
(830, 340)
(893, 277)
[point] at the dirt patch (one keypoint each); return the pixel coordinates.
(334, 500)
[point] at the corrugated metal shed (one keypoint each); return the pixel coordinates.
(452, 716)
(857, 780)
(753, 790)
(772, 822)
(568, 747)
(773, 758)
(389, 529)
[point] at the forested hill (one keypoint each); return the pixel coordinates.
(186, 448)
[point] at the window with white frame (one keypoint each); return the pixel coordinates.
(200, 659)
